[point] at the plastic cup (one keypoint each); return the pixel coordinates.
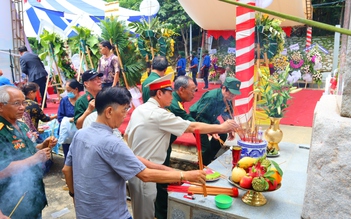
(236, 153)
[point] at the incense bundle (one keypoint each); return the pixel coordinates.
(211, 190)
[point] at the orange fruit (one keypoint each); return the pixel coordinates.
(277, 177)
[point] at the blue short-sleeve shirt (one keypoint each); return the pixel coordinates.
(101, 164)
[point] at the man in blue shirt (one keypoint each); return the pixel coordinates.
(205, 67)
(181, 64)
(99, 163)
(193, 66)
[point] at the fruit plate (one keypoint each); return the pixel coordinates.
(273, 155)
(238, 186)
(252, 197)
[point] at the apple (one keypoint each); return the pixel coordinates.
(237, 174)
(272, 186)
(246, 181)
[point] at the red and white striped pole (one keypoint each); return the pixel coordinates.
(308, 37)
(245, 58)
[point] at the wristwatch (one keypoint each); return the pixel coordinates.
(71, 194)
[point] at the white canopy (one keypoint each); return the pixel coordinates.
(217, 15)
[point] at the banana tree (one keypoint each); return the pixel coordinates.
(119, 34)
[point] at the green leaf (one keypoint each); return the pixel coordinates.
(43, 55)
(266, 185)
(276, 165)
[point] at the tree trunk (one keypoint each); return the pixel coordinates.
(185, 37)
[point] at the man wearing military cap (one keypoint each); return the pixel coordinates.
(86, 103)
(212, 104)
(184, 91)
(21, 161)
(148, 134)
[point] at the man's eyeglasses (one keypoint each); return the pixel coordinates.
(17, 103)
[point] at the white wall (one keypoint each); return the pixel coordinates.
(6, 41)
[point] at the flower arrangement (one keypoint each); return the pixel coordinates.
(219, 63)
(303, 65)
(275, 91)
(296, 59)
(213, 76)
(280, 62)
(230, 61)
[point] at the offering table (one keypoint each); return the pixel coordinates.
(285, 202)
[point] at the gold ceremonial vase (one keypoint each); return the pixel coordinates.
(273, 134)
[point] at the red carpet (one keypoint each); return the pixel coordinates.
(299, 113)
(301, 109)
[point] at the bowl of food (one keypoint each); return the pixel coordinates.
(223, 201)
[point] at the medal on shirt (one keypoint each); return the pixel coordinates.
(18, 144)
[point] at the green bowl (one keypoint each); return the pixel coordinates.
(223, 201)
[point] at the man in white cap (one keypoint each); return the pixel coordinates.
(153, 143)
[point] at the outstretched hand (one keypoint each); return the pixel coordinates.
(198, 176)
(230, 125)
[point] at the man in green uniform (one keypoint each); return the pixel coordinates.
(184, 89)
(86, 103)
(159, 67)
(21, 161)
(212, 104)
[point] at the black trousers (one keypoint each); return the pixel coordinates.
(194, 73)
(205, 76)
(161, 203)
(41, 82)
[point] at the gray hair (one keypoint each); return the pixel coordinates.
(181, 81)
(4, 94)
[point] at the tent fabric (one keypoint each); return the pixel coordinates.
(216, 15)
(60, 15)
(55, 16)
(221, 33)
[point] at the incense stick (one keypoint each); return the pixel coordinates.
(210, 190)
(18, 203)
(201, 166)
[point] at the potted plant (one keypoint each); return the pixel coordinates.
(275, 91)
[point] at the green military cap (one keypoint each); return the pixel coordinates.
(181, 53)
(233, 85)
